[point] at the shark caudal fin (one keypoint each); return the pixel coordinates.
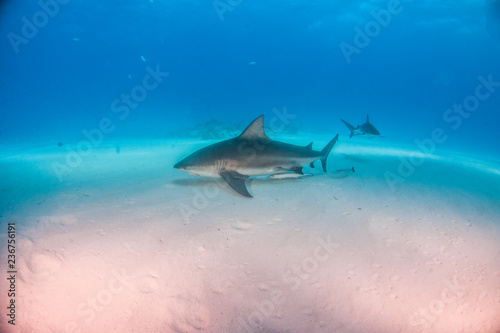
(326, 151)
(349, 126)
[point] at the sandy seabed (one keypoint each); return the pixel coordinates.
(122, 242)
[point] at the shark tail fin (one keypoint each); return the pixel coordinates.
(326, 151)
(349, 126)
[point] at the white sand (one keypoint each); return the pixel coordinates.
(126, 243)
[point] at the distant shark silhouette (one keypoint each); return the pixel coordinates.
(365, 129)
(252, 153)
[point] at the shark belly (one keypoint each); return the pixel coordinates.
(275, 167)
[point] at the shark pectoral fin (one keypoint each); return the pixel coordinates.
(237, 182)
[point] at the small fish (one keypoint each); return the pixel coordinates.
(143, 59)
(289, 175)
(252, 63)
(342, 173)
(76, 39)
(346, 170)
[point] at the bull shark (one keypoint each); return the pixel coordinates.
(365, 129)
(252, 153)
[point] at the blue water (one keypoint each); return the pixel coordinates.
(66, 65)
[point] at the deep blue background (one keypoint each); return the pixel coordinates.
(426, 59)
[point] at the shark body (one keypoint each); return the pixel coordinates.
(252, 153)
(365, 129)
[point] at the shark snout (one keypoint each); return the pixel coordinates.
(182, 165)
(178, 165)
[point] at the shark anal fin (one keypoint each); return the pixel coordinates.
(237, 182)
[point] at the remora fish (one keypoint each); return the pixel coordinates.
(252, 153)
(289, 175)
(365, 129)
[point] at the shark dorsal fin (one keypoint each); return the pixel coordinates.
(309, 146)
(367, 119)
(255, 131)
